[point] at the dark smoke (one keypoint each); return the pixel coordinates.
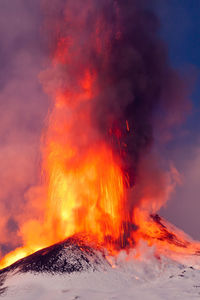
(134, 78)
(133, 82)
(137, 89)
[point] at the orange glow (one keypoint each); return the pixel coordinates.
(84, 185)
(84, 189)
(86, 198)
(168, 239)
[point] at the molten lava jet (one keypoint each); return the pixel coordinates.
(109, 81)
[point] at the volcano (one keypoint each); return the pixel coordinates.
(79, 254)
(74, 254)
(91, 219)
(108, 80)
(77, 269)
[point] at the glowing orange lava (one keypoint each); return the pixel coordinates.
(85, 189)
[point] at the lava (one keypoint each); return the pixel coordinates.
(106, 82)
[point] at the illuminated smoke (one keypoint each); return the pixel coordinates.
(112, 87)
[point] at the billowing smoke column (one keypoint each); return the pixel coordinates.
(112, 87)
(131, 79)
(118, 43)
(113, 49)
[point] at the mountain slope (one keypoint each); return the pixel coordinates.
(71, 255)
(149, 279)
(78, 269)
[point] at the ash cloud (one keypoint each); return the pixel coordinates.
(137, 97)
(139, 94)
(138, 85)
(134, 78)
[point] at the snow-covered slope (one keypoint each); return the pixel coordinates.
(129, 280)
(74, 254)
(148, 277)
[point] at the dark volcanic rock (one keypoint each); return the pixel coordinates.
(71, 255)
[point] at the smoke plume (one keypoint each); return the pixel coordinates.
(136, 93)
(111, 83)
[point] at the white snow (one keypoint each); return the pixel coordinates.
(145, 278)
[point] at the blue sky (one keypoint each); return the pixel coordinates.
(180, 28)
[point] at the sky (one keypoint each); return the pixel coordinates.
(24, 107)
(180, 28)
